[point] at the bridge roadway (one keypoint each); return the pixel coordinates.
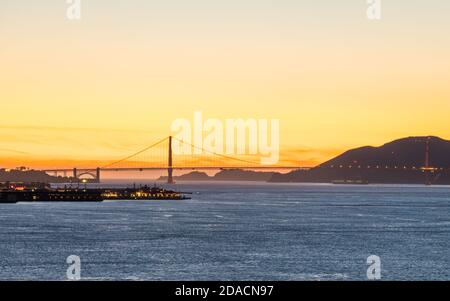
(177, 168)
(95, 173)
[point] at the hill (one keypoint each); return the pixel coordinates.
(30, 176)
(224, 175)
(408, 152)
(397, 162)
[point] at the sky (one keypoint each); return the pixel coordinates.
(76, 93)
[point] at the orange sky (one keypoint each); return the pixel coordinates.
(95, 90)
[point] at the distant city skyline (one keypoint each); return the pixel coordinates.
(97, 89)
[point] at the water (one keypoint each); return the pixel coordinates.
(236, 232)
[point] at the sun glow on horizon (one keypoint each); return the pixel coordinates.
(89, 92)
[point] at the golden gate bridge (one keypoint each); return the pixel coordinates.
(160, 156)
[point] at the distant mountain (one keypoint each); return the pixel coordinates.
(397, 162)
(408, 152)
(30, 176)
(192, 176)
(224, 175)
(242, 175)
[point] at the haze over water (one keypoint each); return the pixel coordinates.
(236, 232)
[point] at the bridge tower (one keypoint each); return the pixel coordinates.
(170, 164)
(97, 175)
(427, 162)
(427, 153)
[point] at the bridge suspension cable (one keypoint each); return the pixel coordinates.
(216, 154)
(182, 163)
(135, 154)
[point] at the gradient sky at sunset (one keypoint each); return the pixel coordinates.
(113, 82)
